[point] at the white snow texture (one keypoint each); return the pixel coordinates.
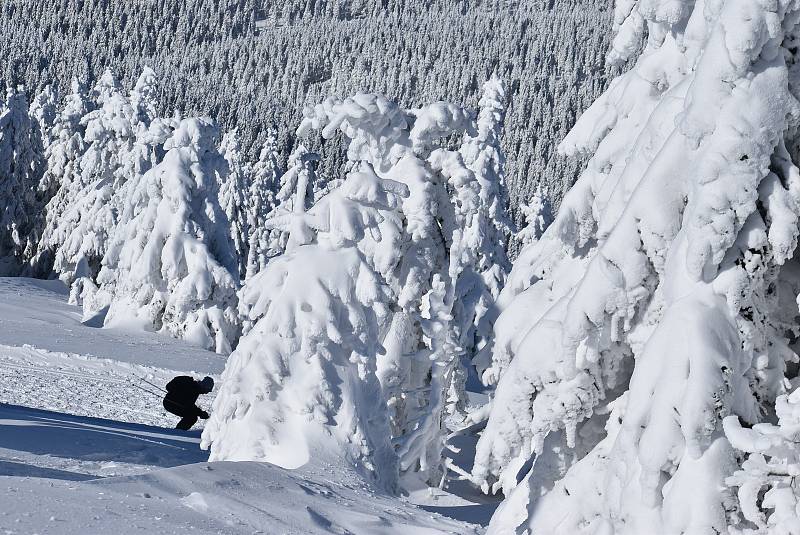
(661, 301)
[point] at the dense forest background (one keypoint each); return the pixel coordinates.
(252, 64)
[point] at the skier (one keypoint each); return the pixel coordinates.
(182, 394)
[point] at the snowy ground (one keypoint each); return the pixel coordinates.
(53, 465)
(81, 432)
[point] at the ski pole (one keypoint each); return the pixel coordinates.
(145, 389)
(151, 384)
(159, 396)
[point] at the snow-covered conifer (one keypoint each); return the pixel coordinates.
(61, 180)
(261, 201)
(485, 273)
(106, 87)
(144, 96)
(296, 194)
(767, 482)
(537, 214)
(233, 193)
(79, 235)
(21, 167)
(170, 265)
(660, 302)
(421, 372)
(43, 112)
(302, 382)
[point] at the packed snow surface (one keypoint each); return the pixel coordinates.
(92, 452)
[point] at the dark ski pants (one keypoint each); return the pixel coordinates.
(187, 422)
(188, 415)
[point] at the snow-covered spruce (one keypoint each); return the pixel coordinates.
(435, 239)
(487, 233)
(144, 98)
(662, 298)
(264, 183)
(43, 111)
(538, 214)
(90, 164)
(233, 191)
(768, 482)
(21, 167)
(171, 266)
(61, 179)
(302, 383)
(296, 194)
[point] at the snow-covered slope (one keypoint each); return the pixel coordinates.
(71, 473)
(50, 360)
(36, 313)
(45, 444)
(49, 461)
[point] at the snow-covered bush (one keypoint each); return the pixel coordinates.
(170, 265)
(662, 298)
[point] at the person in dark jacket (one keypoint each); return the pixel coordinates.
(182, 394)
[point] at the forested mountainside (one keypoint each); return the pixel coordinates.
(252, 64)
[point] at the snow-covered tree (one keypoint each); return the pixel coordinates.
(767, 483)
(537, 214)
(421, 371)
(101, 145)
(144, 96)
(79, 235)
(43, 112)
(106, 87)
(295, 195)
(661, 301)
(21, 168)
(265, 175)
(484, 274)
(61, 180)
(233, 193)
(302, 383)
(170, 265)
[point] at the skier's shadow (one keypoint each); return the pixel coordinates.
(94, 445)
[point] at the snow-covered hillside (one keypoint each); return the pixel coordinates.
(79, 432)
(406, 337)
(256, 63)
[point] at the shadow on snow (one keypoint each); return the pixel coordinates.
(44, 433)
